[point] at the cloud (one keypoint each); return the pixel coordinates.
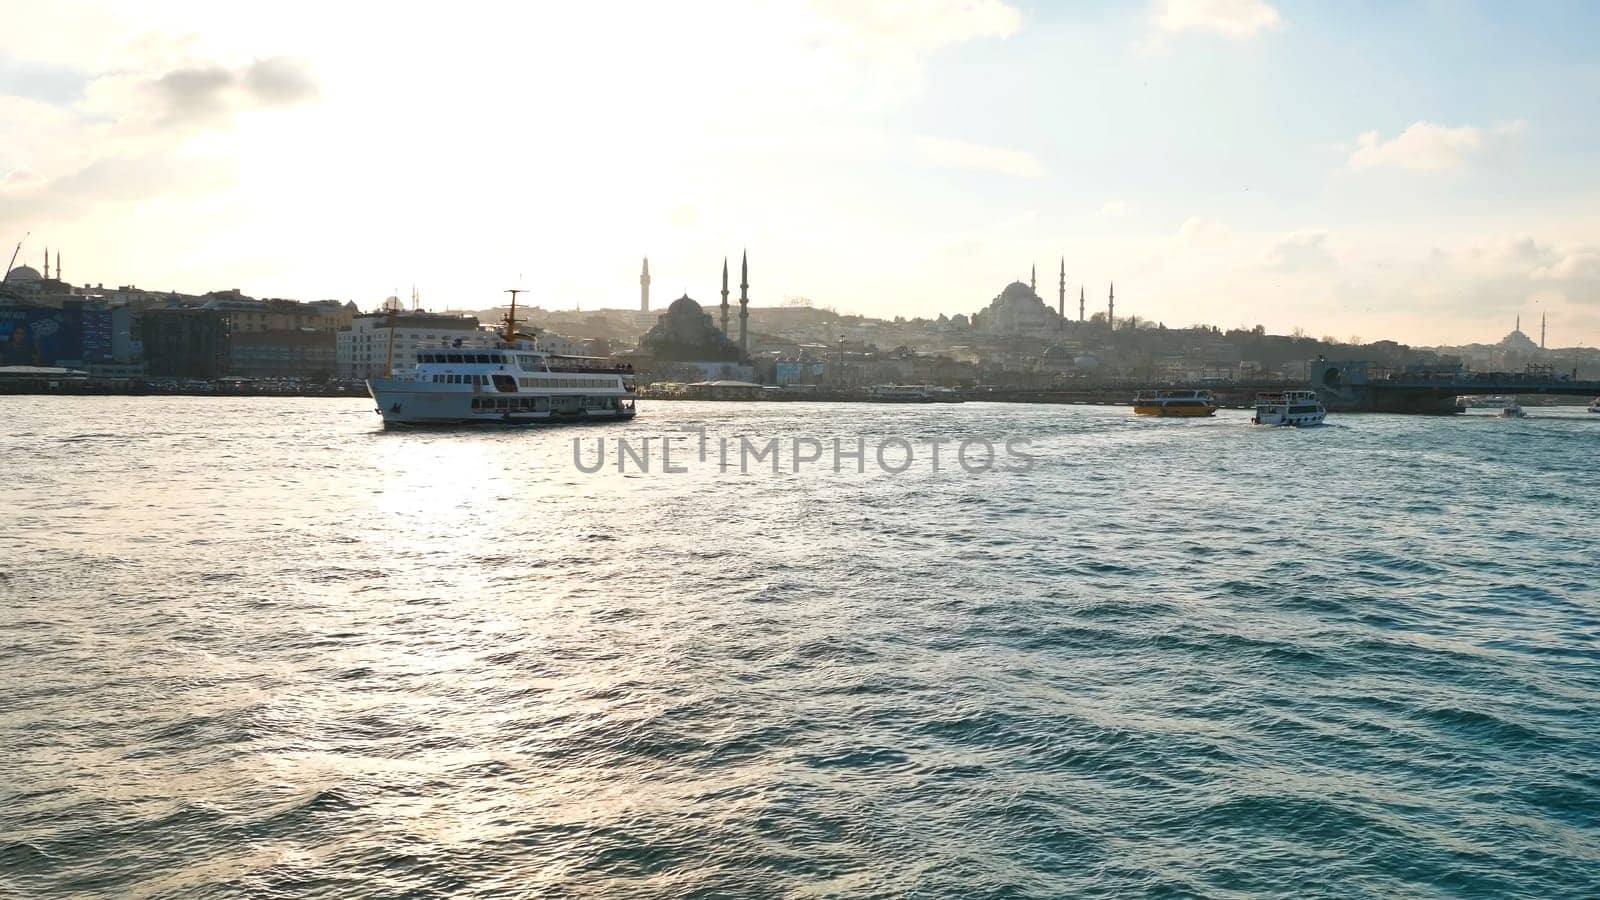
(876, 50)
(922, 26)
(1237, 19)
(280, 82)
(210, 93)
(1426, 147)
(1116, 209)
(950, 154)
(1301, 251)
(1197, 230)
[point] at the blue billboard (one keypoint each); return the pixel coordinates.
(39, 336)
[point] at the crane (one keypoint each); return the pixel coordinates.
(14, 255)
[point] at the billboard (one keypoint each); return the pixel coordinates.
(39, 336)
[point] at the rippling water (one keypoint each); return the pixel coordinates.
(259, 648)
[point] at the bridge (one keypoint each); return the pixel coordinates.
(1361, 387)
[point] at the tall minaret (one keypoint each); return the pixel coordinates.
(1033, 278)
(58, 265)
(725, 296)
(1061, 298)
(1080, 304)
(744, 304)
(1519, 323)
(1111, 308)
(644, 286)
(1541, 315)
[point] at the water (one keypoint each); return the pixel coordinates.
(258, 648)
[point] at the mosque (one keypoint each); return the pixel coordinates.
(26, 281)
(1019, 310)
(685, 333)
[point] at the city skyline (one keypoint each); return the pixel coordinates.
(1409, 176)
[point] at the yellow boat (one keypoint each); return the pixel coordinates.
(1185, 404)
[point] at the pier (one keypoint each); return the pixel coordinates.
(1359, 387)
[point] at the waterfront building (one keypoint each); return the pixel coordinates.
(249, 314)
(74, 334)
(185, 343)
(362, 348)
(303, 353)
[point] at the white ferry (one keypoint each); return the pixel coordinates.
(508, 381)
(1296, 408)
(1512, 410)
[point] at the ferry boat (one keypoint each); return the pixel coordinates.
(1187, 404)
(1512, 410)
(508, 381)
(912, 393)
(1296, 408)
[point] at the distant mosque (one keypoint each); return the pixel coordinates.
(25, 279)
(685, 332)
(1019, 310)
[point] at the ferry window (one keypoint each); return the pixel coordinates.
(453, 357)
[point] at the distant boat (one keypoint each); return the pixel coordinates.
(1182, 404)
(912, 393)
(1297, 408)
(1512, 410)
(1594, 405)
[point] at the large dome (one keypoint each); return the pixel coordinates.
(685, 333)
(24, 275)
(1018, 310)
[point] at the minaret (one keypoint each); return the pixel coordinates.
(1111, 308)
(1080, 304)
(1033, 278)
(724, 296)
(1517, 329)
(1061, 298)
(644, 286)
(58, 265)
(1541, 315)
(744, 305)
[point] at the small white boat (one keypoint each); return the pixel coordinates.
(1512, 410)
(1297, 408)
(1594, 405)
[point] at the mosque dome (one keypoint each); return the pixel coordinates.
(683, 306)
(24, 275)
(1016, 292)
(685, 333)
(1018, 310)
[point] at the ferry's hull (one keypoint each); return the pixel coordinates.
(1179, 412)
(1299, 420)
(408, 404)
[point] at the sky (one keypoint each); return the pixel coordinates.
(1423, 172)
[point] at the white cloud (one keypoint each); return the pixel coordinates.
(922, 25)
(950, 154)
(1117, 209)
(1237, 19)
(1426, 147)
(1199, 230)
(877, 49)
(1301, 251)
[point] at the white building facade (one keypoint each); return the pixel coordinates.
(363, 348)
